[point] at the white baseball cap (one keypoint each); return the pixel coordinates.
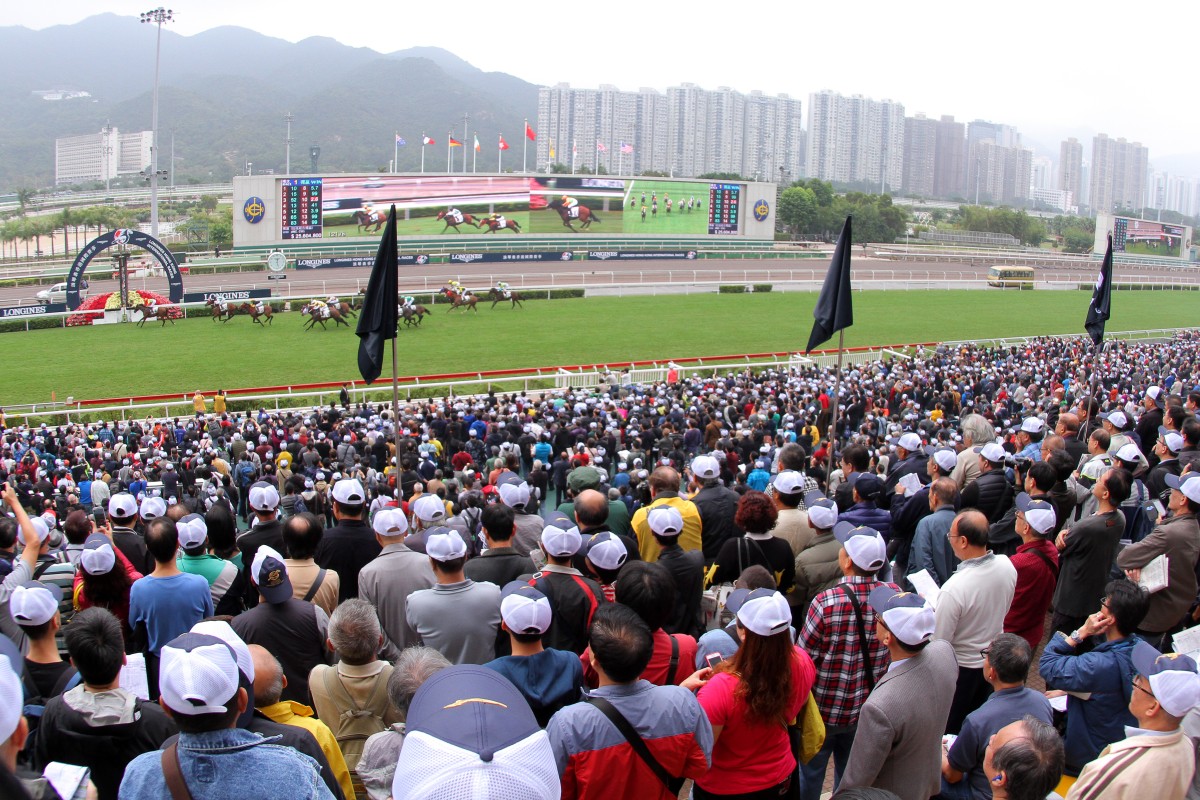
(34, 603)
(122, 506)
(98, 556)
(907, 615)
(199, 674)
(224, 631)
(665, 521)
(1130, 454)
(1172, 678)
(1172, 439)
(514, 494)
(263, 497)
(40, 528)
(445, 546)
(11, 698)
(822, 512)
(706, 467)
(992, 452)
(606, 551)
(945, 457)
(349, 491)
(1117, 419)
(153, 507)
(765, 612)
(390, 522)
(193, 530)
(1038, 513)
(524, 609)
(789, 481)
(429, 508)
(864, 545)
(1188, 484)
(1032, 425)
(910, 442)
(561, 543)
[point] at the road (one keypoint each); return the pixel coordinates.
(611, 275)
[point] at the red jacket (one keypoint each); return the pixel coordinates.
(1035, 589)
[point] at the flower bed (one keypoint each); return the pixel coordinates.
(97, 304)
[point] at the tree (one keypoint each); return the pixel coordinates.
(559, 169)
(823, 191)
(208, 202)
(797, 209)
(721, 176)
(1077, 240)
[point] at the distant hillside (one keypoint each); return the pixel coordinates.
(224, 92)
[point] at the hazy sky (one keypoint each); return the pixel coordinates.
(1052, 67)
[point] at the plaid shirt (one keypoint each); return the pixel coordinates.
(830, 636)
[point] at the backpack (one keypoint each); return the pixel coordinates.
(245, 474)
(356, 723)
(1140, 514)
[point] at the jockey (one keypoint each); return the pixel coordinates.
(152, 305)
(259, 307)
(332, 300)
(455, 286)
(454, 214)
(409, 302)
(572, 205)
(502, 288)
(500, 221)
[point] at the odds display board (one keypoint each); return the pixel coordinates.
(1142, 237)
(339, 207)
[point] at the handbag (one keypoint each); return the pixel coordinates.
(806, 734)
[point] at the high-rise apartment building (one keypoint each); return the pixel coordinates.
(1070, 169)
(920, 155)
(998, 174)
(950, 166)
(1118, 174)
(100, 156)
(688, 131)
(855, 140)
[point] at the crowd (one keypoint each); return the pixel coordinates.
(613, 592)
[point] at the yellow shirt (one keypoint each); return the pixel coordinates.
(688, 540)
(289, 712)
(219, 404)
(198, 403)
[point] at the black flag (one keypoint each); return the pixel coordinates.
(833, 311)
(379, 318)
(1101, 307)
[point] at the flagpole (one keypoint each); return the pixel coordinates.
(422, 152)
(834, 401)
(395, 150)
(474, 152)
(500, 154)
(525, 146)
(449, 139)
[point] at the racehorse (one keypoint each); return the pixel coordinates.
(160, 313)
(467, 219)
(467, 300)
(586, 215)
(220, 311)
(413, 315)
(366, 219)
(252, 310)
(497, 296)
(320, 314)
(494, 225)
(346, 309)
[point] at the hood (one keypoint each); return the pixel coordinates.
(542, 677)
(100, 709)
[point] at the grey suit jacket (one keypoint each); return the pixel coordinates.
(898, 742)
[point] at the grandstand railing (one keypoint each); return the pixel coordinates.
(435, 387)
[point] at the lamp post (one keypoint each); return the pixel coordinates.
(157, 16)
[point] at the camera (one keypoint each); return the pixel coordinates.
(1018, 463)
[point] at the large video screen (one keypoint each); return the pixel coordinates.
(356, 206)
(1146, 238)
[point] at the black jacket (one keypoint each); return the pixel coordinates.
(500, 565)
(264, 533)
(687, 569)
(990, 493)
(717, 506)
(346, 548)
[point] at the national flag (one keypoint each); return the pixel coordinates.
(600, 148)
(400, 140)
(627, 149)
(427, 140)
(529, 134)
(503, 144)
(455, 142)
(1101, 305)
(377, 322)
(552, 148)
(834, 312)
(476, 143)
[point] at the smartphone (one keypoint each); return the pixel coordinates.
(712, 659)
(98, 516)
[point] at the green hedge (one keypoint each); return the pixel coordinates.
(737, 288)
(1142, 287)
(35, 324)
(563, 294)
(762, 287)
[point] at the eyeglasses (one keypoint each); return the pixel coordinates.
(984, 652)
(1139, 688)
(1104, 603)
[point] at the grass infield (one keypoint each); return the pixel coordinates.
(123, 360)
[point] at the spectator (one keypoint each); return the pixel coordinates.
(1006, 668)
(470, 728)
(389, 580)
(349, 546)
(500, 563)
(839, 636)
(355, 689)
(725, 641)
(98, 724)
(122, 517)
(1155, 759)
(1023, 761)
(267, 530)
(817, 568)
(756, 515)
(167, 602)
(910, 508)
(1036, 563)
(792, 524)
(1103, 673)
(591, 510)
(302, 534)
(377, 767)
(864, 512)
(766, 682)
(292, 630)
(586, 478)
(604, 555)
(1178, 538)
(457, 617)
(429, 519)
(715, 503)
(1086, 552)
(595, 758)
(215, 759)
(911, 459)
(971, 609)
(900, 725)
(931, 548)
(223, 577)
(1166, 449)
(686, 568)
(34, 608)
(104, 580)
(664, 490)
(515, 494)
(548, 679)
(574, 599)
(854, 460)
(990, 493)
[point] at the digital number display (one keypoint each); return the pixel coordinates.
(301, 208)
(724, 202)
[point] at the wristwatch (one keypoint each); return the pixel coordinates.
(1076, 635)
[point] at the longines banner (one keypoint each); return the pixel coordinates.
(32, 311)
(477, 258)
(353, 261)
(229, 297)
(640, 255)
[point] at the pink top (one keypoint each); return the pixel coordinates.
(750, 755)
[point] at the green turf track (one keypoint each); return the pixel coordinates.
(122, 360)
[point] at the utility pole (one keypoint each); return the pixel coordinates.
(466, 119)
(287, 144)
(158, 17)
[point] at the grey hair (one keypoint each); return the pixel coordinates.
(354, 631)
(1033, 764)
(1010, 656)
(414, 666)
(977, 428)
